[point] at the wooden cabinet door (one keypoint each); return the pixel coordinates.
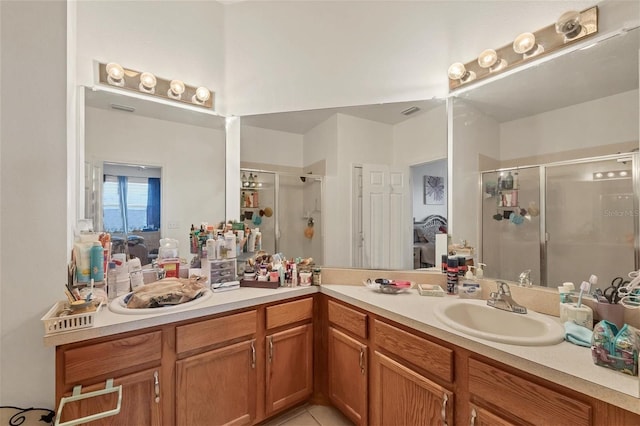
(141, 401)
(289, 367)
(217, 387)
(403, 397)
(348, 376)
(482, 417)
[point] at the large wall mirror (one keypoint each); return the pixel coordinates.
(151, 169)
(383, 172)
(545, 166)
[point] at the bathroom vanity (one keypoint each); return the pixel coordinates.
(243, 356)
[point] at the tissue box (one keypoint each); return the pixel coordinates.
(615, 349)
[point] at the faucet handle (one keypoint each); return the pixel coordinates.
(503, 288)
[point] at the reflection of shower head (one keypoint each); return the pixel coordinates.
(303, 179)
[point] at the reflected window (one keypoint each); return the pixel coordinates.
(131, 203)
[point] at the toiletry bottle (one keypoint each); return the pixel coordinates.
(97, 262)
(508, 181)
(258, 240)
(211, 249)
(294, 275)
(111, 281)
(83, 261)
(452, 274)
(515, 180)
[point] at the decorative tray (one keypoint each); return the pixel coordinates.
(387, 286)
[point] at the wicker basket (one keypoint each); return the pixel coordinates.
(56, 324)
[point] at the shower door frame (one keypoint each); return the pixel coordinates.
(543, 232)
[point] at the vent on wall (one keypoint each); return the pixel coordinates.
(410, 110)
(123, 107)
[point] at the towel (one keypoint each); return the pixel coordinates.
(577, 334)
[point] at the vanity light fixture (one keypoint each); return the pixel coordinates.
(613, 174)
(202, 94)
(113, 74)
(147, 82)
(457, 71)
(489, 59)
(570, 27)
(525, 45)
(176, 89)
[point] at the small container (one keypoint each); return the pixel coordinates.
(305, 278)
(430, 290)
(444, 263)
(274, 276)
(316, 277)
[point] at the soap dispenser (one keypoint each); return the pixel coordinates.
(469, 288)
(480, 271)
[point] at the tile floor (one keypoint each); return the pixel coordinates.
(311, 415)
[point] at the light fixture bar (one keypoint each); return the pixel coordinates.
(149, 84)
(526, 48)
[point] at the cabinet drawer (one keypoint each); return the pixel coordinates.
(531, 402)
(214, 331)
(105, 358)
(420, 352)
(289, 312)
(349, 319)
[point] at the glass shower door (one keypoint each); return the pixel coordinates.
(590, 220)
(511, 223)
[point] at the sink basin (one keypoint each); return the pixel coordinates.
(475, 318)
(118, 306)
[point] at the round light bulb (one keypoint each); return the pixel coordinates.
(569, 24)
(599, 175)
(487, 58)
(611, 174)
(623, 173)
(456, 71)
(202, 94)
(148, 80)
(115, 74)
(524, 43)
(176, 88)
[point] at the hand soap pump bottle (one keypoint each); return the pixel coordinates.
(469, 288)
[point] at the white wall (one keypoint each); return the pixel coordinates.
(608, 120)
(193, 182)
(271, 147)
(172, 39)
(474, 133)
(422, 138)
(33, 193)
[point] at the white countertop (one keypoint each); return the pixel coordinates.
(566, 364)
(107, 323)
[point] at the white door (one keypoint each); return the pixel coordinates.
(385, 201)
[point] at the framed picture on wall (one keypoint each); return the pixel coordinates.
(433, 189)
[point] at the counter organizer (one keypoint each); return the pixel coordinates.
(387, 286)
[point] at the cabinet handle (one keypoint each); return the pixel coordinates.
(474, 415)
(445, 398)
(253, 355)
(270, 348)
(156, 386)
(361, 360)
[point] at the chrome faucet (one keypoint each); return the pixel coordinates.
(525, 278)
(502, 299)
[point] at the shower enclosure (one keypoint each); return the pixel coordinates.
(563, 221)
(287, 209)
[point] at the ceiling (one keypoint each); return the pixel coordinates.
(300, 122)
(595, 71)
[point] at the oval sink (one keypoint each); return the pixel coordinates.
(475, 318)
(118, 306)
